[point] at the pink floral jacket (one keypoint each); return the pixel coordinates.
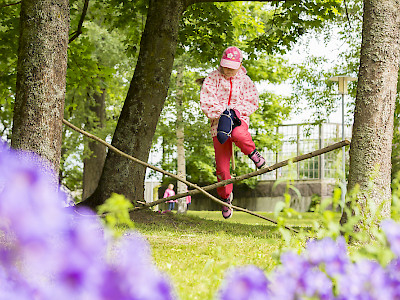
(169, 193)
(219, 92)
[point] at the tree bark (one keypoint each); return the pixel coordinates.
(371, 144)
(180, 139)
(143, 104)
(41, 79)
(93, 165)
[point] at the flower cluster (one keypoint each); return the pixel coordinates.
(322, 271)
(51, 252)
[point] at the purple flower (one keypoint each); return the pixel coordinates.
(332, 254)
(365, 279)
(51, 252)
(287, 278)
(317, 284)
(141, 279)
(245, 283)
(79, 261)
(392, 232)
(393, 272)
(294, 265)
(297, 278)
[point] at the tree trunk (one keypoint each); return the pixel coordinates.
(41, 79)
(371, 144)
(143, 104)
(93, 165)
(180, 139)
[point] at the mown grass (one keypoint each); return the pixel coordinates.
(196, 249)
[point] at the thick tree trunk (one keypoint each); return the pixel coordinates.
(41, 79)
(180, 139)
(93, 165)
(143, 104)
(373, 118)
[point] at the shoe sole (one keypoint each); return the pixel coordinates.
(262, 166)
(231, 196)
(229, 215)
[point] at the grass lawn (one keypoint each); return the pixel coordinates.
(196, 249)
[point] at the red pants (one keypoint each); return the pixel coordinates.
(223, 152)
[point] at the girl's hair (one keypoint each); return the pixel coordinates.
(200, 81)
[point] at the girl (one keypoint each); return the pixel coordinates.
(169, 192)
(228, 97)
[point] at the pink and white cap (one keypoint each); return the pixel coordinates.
(231, 58)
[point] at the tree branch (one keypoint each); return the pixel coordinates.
(190, 2)
(253, 174)
(11, 4)
(112, 148)
(347, 13)
(213, 186)
(80, 24)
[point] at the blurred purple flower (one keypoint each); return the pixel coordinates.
(332, 254)
(296, 278)
(142, 279)
(51, 252)
(393, 272)
(245, 283)
(365, 279)
(317, 285)
(392, 232)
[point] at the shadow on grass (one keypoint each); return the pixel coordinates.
(147, 220)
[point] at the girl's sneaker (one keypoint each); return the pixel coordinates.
(226, 211)
(258, 160)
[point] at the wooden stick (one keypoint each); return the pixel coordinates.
(201, 190)
(255, 173)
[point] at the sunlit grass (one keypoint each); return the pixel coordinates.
(197, 249)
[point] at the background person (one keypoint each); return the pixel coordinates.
(169, 192)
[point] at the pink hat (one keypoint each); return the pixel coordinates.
(231, 58)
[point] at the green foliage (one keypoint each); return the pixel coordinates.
(205, 31)
(396, 141)
(257, 28)
(311, 82)
(9, 32)
(315, 203)
(97, 63)
(283, 208)
(291, 19)
(124, 17)
(115, 212)
(272, 111)
(361, 230)
(312, 86)
(97, 60)
(395, 213)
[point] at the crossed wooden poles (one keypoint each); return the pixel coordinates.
(203, 190)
